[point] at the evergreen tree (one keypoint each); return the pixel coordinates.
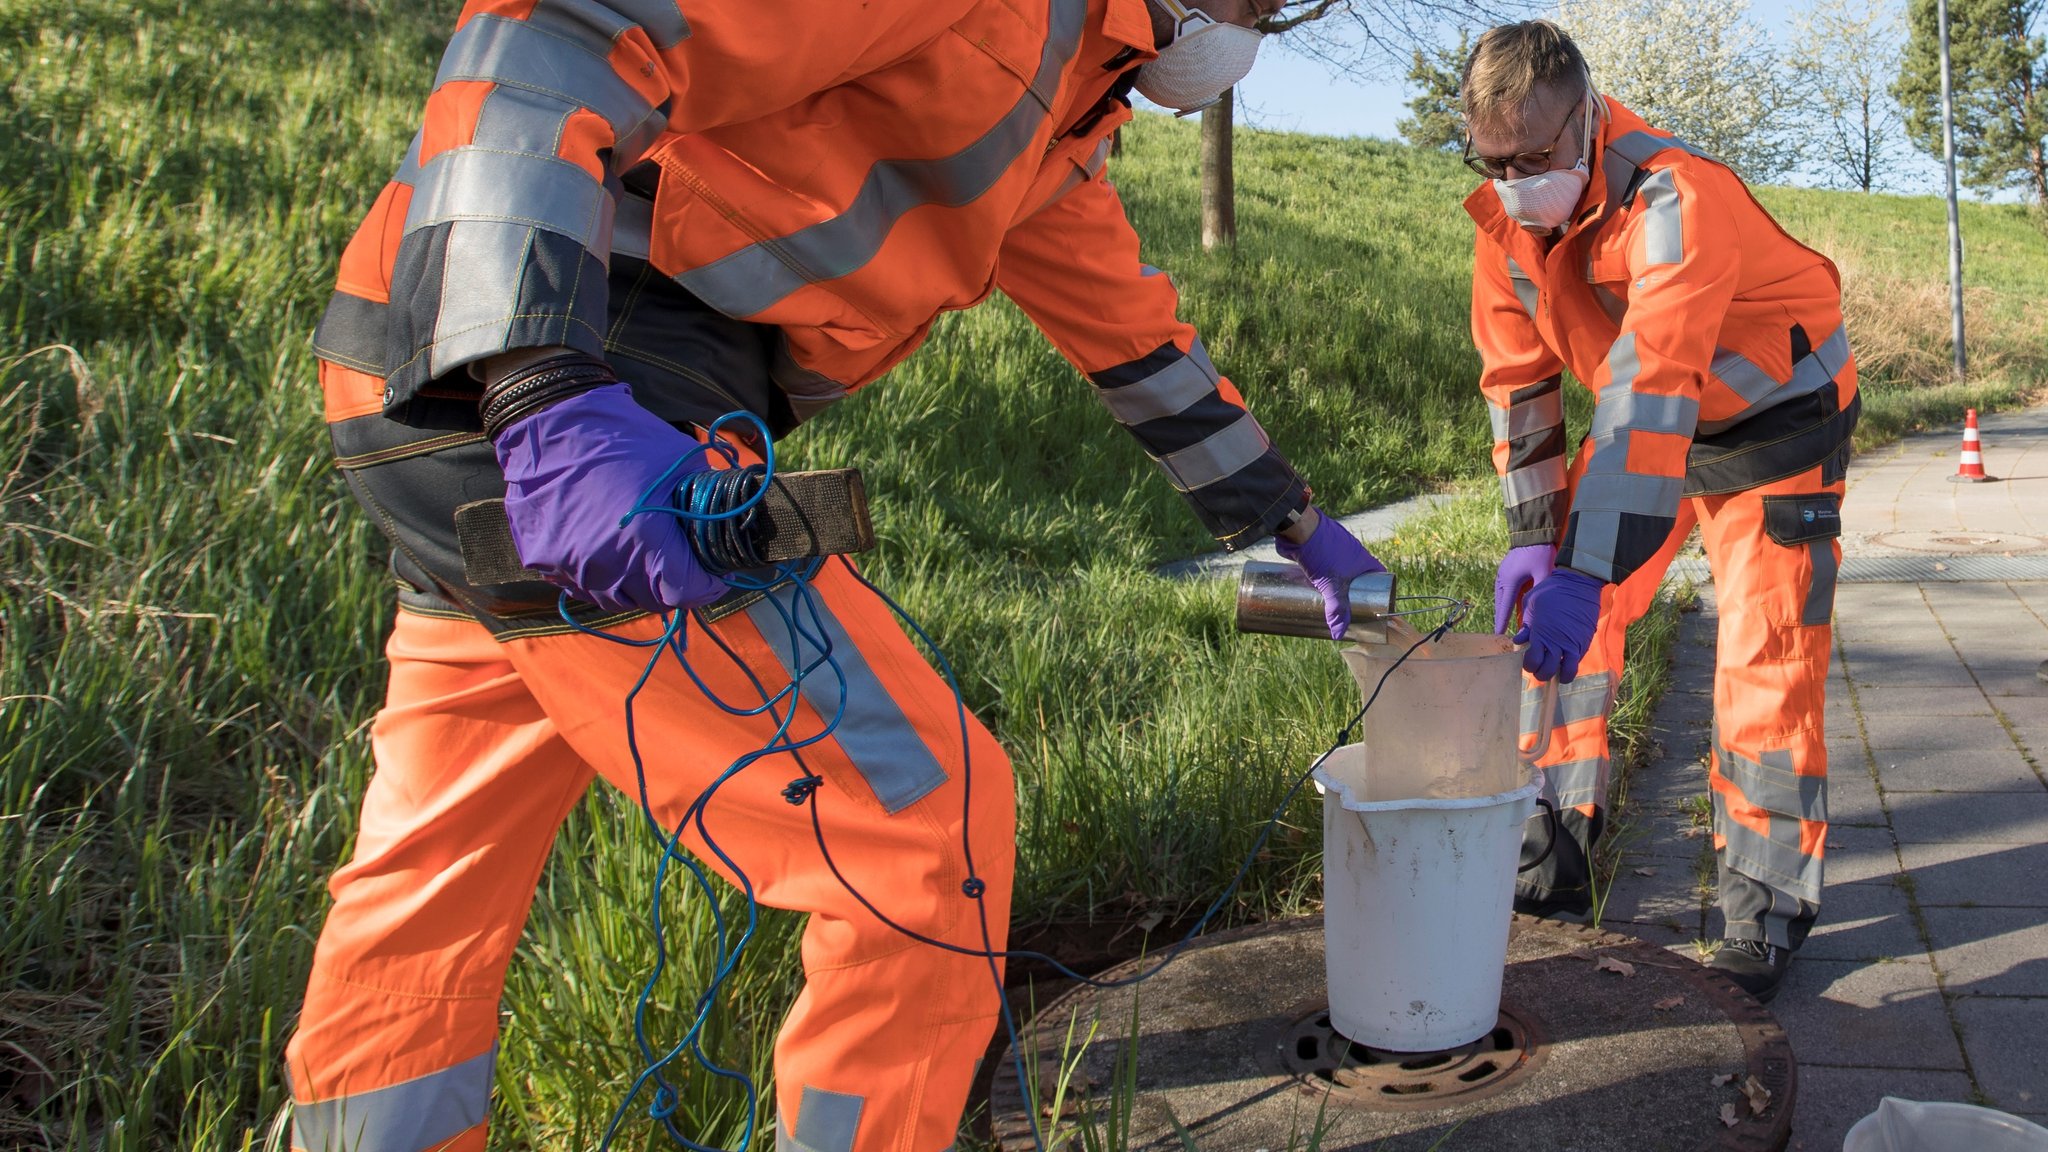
(1437, 118)
(2000, 88)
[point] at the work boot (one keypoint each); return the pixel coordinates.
(1756, 967)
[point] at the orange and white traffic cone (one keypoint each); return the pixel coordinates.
(1970, 470)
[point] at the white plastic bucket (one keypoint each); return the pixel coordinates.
(1422, 832)
(1418, 895)
(1911, 1126)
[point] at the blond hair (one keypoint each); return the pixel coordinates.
(1512, 63)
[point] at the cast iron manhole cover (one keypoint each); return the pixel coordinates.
(1360, 1076)
(1956, 542)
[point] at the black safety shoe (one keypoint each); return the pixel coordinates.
(1756, 967)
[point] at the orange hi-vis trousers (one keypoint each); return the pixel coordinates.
(483, 747)
(1774, 551)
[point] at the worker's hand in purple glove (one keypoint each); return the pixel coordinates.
(573, 470)
(1520, 570)
(1558, 618)
(1332, 558)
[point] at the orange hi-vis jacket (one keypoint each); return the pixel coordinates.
(840, 174)
(1711, 340)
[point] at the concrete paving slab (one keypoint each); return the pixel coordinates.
(1855, 854)
(1832, 1099)
(1986, 875)
(1872, 921)
(1986, 770)
(2004, 1040)
(1852, 797)
(1968, 817)
(1871, 1015)
(1889, 732)
(1921, 700)
(1905, 667)
(1670, 895)
(1990, 951)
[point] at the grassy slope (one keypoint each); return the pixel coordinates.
(190, 609)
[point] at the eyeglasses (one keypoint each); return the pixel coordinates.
(1496, 167)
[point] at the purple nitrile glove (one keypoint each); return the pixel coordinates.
(1558, 619)
(1520, 570)
(1332, 558)
(572, 470)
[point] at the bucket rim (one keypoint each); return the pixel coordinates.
(1335, 789)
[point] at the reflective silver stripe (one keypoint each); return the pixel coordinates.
(1610, 302)
(1762, 391)
(409, 169)
(756, 277)
(471, 184)
(1663, 221)
(1577, 782)
(1099, 158)
(873, 731)
(1167, 392)
(1631, 492)
(1775, 858)
(1622, 408)
(520, 54)
(633, 227)
(515, 120)
(1527, 417)
(1592, 694)
(1534, 482)
(475, 318)
(594, 26)
(1219, 457)
(410, 1117)
(1525, 288)
(662, 20)
(825, 1122)
(1820, 594)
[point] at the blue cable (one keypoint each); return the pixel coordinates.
(717, 507)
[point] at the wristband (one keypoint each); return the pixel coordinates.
(522, 393)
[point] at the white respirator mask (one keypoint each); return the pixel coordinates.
(1203, 60)
(1546, 199)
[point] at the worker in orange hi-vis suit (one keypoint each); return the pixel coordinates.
(1725, 395)
(620, 220)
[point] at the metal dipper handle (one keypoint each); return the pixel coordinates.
(1277, 600)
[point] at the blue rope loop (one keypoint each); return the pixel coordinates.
(717, 509)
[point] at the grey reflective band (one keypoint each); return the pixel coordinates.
(633, 227)
(1534, 482)
(1760, 390)
(1663, 220)
(662, 20)
(1631, 492)
(409, 169)
(757, 277)
(1220, 456)
(1584, 698)
(1577, 782)
(520, 54)
(413, 1116)
(516, 120)
(1820, 592)
(1527, 417)
(594, 26)
(873, 731)
(470, 184)
(1788, 799)
(1168, 392)
(1525, 288)
(476, 313)
(827, 1121)
(1627, 154)
(1621, 408)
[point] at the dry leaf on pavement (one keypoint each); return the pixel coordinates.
(1729, 1116)
(1610, 964)
(1668, 1003)
(1759, 1096)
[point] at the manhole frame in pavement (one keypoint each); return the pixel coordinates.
(1961, 542)
(1356, 1075)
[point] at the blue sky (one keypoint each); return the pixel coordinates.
(1290, 92)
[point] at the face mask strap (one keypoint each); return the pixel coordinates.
(1183, 16)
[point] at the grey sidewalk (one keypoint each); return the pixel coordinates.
(1928, 975)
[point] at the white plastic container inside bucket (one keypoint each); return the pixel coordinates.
(1417, 896)
(1910, 1126)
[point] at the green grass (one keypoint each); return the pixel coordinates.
(191, 608)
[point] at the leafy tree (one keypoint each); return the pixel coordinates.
(1437, 119)
(1702, 71)
(2000, 88)
(1844, 57)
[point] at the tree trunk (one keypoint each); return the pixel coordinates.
(1219, 181)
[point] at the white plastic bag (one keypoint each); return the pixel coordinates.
(1911, 1126)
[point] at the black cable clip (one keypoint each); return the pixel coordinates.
(801, 789)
